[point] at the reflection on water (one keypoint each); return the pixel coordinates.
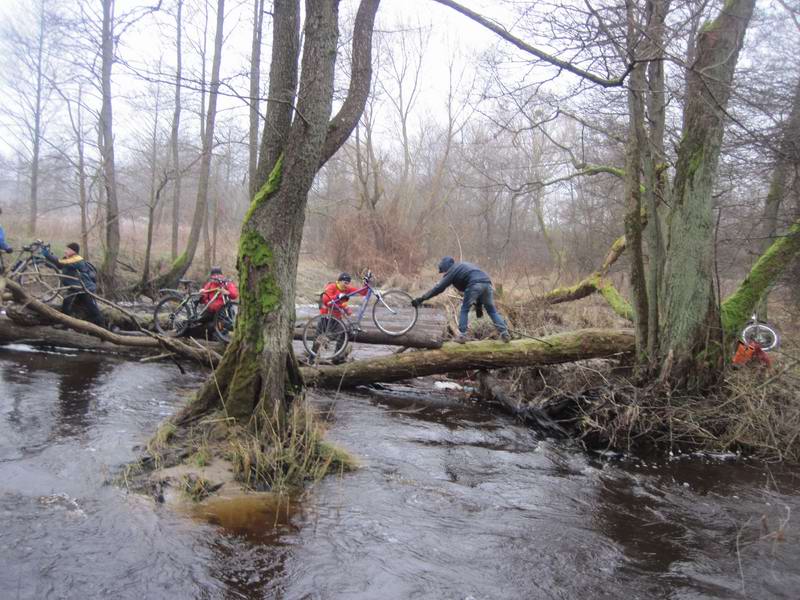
(452, 501)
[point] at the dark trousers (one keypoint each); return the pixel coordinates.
(481, 293)
(78, 299)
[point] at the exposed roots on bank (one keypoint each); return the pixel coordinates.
(217, 455)
(755, 413)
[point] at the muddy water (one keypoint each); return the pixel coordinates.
(452, 501)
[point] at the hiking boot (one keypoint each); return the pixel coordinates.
(460, 338)
(505, 336)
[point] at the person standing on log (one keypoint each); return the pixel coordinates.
(477, 288)
(80, 280)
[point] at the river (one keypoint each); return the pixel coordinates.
(453, 500)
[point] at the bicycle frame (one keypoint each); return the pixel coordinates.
(195, 296)
(335, 305)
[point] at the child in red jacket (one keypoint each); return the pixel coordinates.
(336, 290)
(208, 293)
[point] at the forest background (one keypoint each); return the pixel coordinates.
(449, 157)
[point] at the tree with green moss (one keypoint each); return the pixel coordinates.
(259, 373)
(691, 336)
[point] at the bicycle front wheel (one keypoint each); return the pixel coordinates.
(393, 312)
(762, 334)
(172, 316)
(225, 321)
(324, 338)
(40, 279)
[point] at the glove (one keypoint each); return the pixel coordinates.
(9, 250)
(479, 310)
(417, 302)
(341, 297)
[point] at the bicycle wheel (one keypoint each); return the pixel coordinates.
(324, 338)
(40, 280)
(225, 321)
(172, 315)
(393, 312)
(762, 334)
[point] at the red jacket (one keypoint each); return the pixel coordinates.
(330, 293)
(209, 289)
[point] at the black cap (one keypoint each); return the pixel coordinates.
(216, 271)
(75, 247)
(344, 277)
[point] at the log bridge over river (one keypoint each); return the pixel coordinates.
(34, 325)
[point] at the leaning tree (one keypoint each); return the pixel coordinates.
(259, 371)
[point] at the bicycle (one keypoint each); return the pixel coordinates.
(325, 337)
(31, 270)
(189, 285)
(176, 313)
(762, 333)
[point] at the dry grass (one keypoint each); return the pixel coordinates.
(282, 457)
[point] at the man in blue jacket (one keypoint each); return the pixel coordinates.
(78, 277)
(4, 247)
(477, 288)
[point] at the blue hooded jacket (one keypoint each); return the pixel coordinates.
(458, 274)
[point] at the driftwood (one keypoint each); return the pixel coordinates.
(494, 390)
(204, 355)
(559, 348)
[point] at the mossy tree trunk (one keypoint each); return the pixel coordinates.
(259, 369)
(654, 172)
(787, 163)
(691, 335)
(636, 147)
(738, 307)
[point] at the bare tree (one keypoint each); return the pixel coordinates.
(182, 263)
(176, 122)
(30, 49)
(255, 91)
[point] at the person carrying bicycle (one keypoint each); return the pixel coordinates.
(338, 291)
(477, 288)
(79, 279)
(333, 302)
(209, 296)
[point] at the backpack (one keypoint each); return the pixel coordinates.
(91, 271)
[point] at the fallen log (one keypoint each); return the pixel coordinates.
(559, 348)
(493, 390)
(205, 355)
(428, 332)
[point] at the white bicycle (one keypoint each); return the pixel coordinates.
(763, 334)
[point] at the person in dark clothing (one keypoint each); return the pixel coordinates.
(477, 288)
(78, 277)
(4, 247)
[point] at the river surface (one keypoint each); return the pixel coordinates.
(453, 501)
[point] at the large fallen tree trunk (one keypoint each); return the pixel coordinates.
(559, 348)
(199, 353)
(428, 332)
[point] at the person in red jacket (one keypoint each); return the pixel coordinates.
(333, 301)
(210, 297)
(337, 291)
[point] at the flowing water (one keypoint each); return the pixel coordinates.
(453, 500)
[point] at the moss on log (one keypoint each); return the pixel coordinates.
(559, 348)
